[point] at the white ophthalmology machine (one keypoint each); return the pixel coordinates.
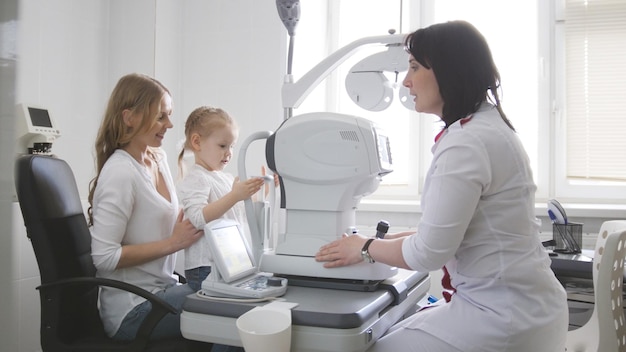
(326, 162)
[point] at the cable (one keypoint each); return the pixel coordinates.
(202, 295)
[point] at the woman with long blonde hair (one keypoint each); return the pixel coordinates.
(136, 224)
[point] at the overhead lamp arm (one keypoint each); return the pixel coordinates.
(293, 93)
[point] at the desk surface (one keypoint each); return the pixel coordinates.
(329, 308)
(574, 265)
(324, 320)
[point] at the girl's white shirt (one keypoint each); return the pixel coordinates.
(198, 188)
(127, 209)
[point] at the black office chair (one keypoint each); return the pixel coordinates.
(56, 225)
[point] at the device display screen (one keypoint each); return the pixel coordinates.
(39, 117)
(383, 147)
(231, 251)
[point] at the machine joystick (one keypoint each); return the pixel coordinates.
(382, 228)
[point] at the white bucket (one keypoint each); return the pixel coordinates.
(265, 330)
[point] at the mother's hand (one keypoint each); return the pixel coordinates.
(342, 252)
(184, 234)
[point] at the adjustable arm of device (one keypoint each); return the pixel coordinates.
(253, 223)
(293, 93)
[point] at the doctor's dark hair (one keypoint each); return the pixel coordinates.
(138, 93)
(462, 63)
(203, 121)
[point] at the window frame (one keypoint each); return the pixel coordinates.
(550, 176)
(570, 190)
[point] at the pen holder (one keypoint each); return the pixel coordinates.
(564, 233)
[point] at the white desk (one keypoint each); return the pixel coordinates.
(324, 320)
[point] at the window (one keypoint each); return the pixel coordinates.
(562, 77)
(590, 73)
(339, 24)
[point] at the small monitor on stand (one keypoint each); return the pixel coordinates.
(36, 130)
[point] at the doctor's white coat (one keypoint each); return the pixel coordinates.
(479, 222)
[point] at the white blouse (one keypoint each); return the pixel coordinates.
(127, 209)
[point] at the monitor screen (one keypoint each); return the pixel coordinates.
(39, 117)
(230, 252)
(384, 152)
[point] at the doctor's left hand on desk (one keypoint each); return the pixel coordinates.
(348, 249)
(342, 252)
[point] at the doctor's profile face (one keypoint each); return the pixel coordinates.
(215, 150)
(423, 86)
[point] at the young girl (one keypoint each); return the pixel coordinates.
(207, 192)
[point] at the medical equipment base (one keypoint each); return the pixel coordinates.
(324, 320)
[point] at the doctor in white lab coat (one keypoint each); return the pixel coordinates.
(478, 218)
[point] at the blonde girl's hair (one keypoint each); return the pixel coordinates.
(141, 94)
(203, 121)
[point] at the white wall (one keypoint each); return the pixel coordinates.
(9, 319)
(62, 65)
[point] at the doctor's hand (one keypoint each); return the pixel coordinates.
(342, 252)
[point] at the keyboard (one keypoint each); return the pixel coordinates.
(257, 283)
(256, 286)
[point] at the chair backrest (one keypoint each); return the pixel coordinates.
(58, 230)
(608, 273)
(54, 218)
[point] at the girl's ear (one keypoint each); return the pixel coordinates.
(195, 141)
(128, 117)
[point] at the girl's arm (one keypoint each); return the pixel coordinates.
(240, 191)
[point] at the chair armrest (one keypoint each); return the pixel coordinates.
(159, 306)
(181, 278)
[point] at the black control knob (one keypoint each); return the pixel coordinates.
(382, 228)
(275, 281)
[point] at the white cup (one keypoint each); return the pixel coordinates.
(265, 330)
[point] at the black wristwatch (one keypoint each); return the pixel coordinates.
(365, 253)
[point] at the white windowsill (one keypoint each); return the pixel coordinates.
(574, 210)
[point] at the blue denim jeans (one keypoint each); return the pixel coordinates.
(195, 276)
(168, 327)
